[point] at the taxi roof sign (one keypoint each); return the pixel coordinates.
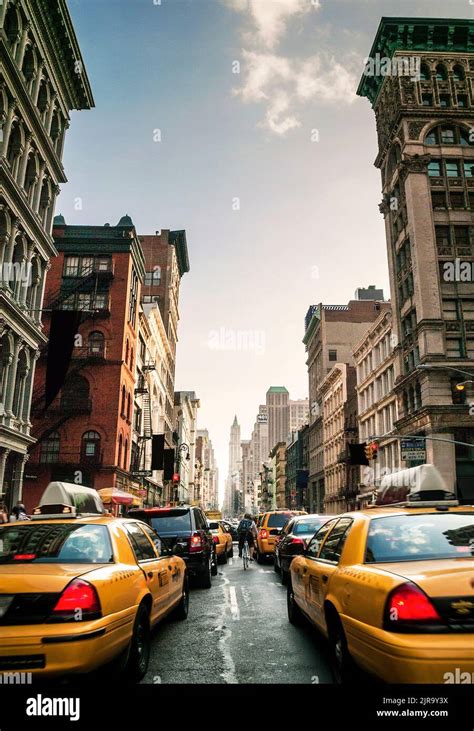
(416, 486)
(66, 499)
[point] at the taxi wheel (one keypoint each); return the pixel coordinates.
(260, 558)
(214, 564)
(140, 646)
(284, 577)
(181, 611)
(342, 663)
(295, 615)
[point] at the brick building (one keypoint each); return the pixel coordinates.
(85, 435)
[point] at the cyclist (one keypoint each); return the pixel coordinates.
(247, 530)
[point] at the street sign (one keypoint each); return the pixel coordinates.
(413, 449)
(142, 473)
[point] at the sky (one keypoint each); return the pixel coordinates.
(237, 120)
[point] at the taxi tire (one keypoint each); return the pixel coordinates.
(343, 665)
(137, 662)
(284, 577)
(180, 613)
(214, 564)
(260, 558)
(295, 615)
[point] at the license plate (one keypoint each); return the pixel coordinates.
(5, 601)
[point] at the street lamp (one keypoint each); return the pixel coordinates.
(425, 366)
(462, 385)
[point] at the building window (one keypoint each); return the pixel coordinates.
(441, 72)
(462, 101)
(425, 74)
(123, 400)
(444, 101)
(452, 168)
(96, 343)
(458, 73)
(438, 200)
(457, 200)
(434, 169)
(91, 445)
(450, 310)
(50, 448)
(453, 348)
(447, 135)
(427, 100)
(332, 354)
(469, 168)
(138, 419)
(132, 306)
(71, 266)
(153, 278)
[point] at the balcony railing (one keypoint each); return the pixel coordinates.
(90, 352)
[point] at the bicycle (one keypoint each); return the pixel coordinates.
(246, 555)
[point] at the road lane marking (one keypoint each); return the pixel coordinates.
(234, 606)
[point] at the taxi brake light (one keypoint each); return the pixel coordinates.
(78, 601)
(263, 533)
(215, 539)
(297, 542)
(407, 603)
(24, 557)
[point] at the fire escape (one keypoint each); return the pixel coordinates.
(142, 389)
(67, 297)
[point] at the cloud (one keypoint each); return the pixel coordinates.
(284, 85)
(270, 17)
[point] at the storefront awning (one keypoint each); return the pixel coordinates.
(114, 496)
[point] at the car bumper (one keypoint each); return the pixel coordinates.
(410, 658)
(266, 546)
(63, 649)
(196, 564)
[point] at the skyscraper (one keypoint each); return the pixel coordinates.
(278, 411)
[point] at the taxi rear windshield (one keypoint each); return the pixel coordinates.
(278, 520)
(55, 543)
(420, 537)
(307, 526)
(169, 522)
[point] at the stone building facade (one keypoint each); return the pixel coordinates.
(426, 159)
(42, 78)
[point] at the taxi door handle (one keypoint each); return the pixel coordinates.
(150, 574)
(305, 569)
(324, 578)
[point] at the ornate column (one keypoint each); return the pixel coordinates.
(49, 117)
(24, 161)
(22, 48)
(17, 482)
(9, 249)
(8, 126)
(11, 381)
(49, 217)
(25, 281)
(44, 267)
(60, 146)
(3, 461)
(34, 355)
(39, 185)
(37, 84)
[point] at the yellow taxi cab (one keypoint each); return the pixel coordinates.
(392, 586)
(269, 528)
(222, 539)
(80, 589)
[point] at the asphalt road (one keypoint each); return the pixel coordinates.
(238, 632)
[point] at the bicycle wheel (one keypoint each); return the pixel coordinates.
(245, 555)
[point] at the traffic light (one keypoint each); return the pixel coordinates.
(371, 450)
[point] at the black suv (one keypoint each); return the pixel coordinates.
(185, 532)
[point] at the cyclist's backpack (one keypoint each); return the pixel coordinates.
(245, 526)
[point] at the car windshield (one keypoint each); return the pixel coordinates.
(419, 537)
(278, 520)
(172, 522)
(307, 526)
(55, 543)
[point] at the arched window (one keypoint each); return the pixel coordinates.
(425, 73)
(394, 158)
(6, 359)
(15, 147)
(124, 396)
(120, 450)
(31, 178)
(127, 351)
(129, 406)
(75, 393)
(448, 134)
(55, 128)
(49, 450)
(12, 25)
(33, 288)
(43, 99)
(20, 382)
(131, 358)
(29, 65)
(96, 342)
(458, 73)
(18, 261)
(45, 201)
(441, 72)
(90, 446)
(125, 455)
